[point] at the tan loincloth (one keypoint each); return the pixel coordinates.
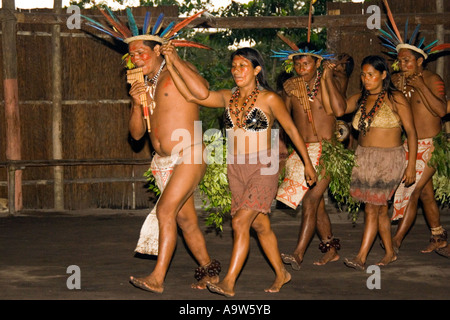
(403, 194)
(162, 169)
(293, 188)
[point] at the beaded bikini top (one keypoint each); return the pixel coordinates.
(256, 120)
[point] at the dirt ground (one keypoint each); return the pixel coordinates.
(38, 249)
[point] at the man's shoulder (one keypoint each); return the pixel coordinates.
(430, 75)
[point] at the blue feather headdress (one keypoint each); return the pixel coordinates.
(120, 31)
(288, 55)
(392, 39)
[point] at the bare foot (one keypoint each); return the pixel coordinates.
(221, 288)
(445, 251)
(293, 260)
(434, 245)
(147, 284)
(201, 285)
(355, 264)
(279, 282)
(387, 259)
(396, 245)
(330, 256)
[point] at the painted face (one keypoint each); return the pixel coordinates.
(371, 78)
(143, 56)
(242, 71)
(407, 62)
(306, 67)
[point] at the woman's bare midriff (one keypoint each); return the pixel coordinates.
(381, 138)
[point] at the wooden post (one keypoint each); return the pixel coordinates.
(440, 33)
(58, 171)
(11, 93)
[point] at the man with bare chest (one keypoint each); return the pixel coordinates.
(172, 137)
(171, 121)
(314, 101)
(425, 92)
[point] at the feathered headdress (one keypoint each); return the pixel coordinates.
(120, 31)
(288, 55)
(392, 39)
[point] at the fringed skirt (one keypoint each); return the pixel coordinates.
(377, 173)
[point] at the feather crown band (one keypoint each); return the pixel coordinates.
(120, 31)
(392, 39)
(288, 55)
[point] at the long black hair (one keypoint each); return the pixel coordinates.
(256, 59)
(380, 64)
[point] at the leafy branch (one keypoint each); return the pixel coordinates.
(440, 161)
(336, 163)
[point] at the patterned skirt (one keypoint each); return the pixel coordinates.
(253, 181)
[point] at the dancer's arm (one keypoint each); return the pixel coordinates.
(194, 82)
(192, 89)
(332, 97)
(281, 113)
(405, 113)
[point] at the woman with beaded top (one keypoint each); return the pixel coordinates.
(252, 164)
(381, 112)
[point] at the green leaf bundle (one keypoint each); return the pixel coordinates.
(336, 164)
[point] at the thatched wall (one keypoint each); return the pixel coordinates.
(95, 112)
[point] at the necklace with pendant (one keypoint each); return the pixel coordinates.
(362, 125)
(151, 89)
(313, 94)
(235, 98)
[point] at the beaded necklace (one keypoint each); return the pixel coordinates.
(402, 85)
(235, 99)
(151, 89)
(362, 127)
(313, 94)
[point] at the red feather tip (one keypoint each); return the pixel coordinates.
(186, 43)
(291, 44)
(184, 23)
(440, 47)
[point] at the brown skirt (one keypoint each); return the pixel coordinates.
(253, 183)
(377, 173)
